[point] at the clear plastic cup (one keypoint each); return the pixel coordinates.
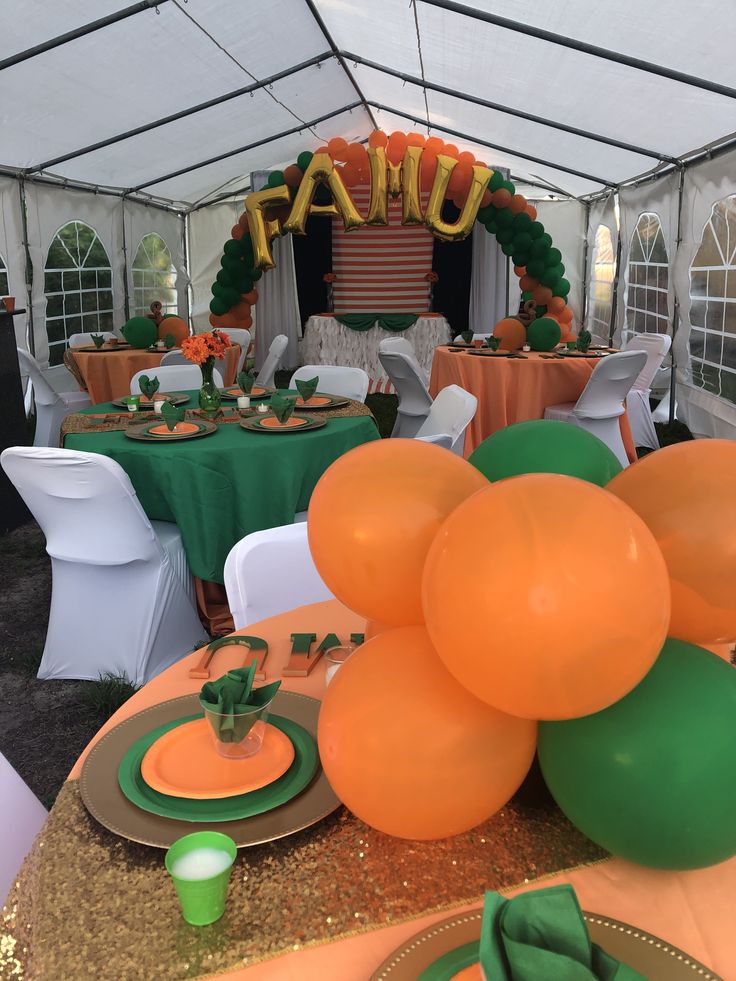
(239, 734)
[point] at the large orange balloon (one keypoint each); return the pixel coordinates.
(175, 326)
(565, 599)
(409, 750)
(372, 518)
(512, 333)
(685, 494)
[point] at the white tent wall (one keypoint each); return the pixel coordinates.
(13, 253)
(208, 230)
(140, 220)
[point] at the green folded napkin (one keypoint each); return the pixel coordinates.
(99, 339)
(149, 386)
(584, 339)
(169, 341)
(542, 934)
(245, 382)
(231, 696)
(467, 336)
(493, 342)
(308, 387)
(172, 415)
(282, 407)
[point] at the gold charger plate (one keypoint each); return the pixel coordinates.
(656, 959)
(323, 401)
(107, 804)
(176, 398)
(142, 432)
(255, 424)
(91, 348)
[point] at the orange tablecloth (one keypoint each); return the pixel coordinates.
(689, 909)
(512, 390)
(107, 374)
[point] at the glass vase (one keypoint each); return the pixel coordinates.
(209, 394)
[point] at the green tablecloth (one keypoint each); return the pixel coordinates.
(227, 485)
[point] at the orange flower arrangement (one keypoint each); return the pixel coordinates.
(199, 347)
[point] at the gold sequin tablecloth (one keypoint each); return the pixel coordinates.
(89, 905)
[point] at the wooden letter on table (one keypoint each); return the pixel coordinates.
(302, 661)
(257, 649)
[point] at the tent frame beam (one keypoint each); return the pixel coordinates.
(83, 31)
(595, 51)
(518, 113)
(64, 183)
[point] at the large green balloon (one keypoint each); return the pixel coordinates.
(140, 332)
(545, 446)
(652, 778)
(543, 333)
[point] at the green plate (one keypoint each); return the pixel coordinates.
(447, 966)
(255, 424)
(296, 778)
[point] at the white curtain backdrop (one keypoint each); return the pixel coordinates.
(278, 304)
(209, 229)
(11, 249)
(487, 281)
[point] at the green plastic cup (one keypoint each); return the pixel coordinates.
(202, 900)
(571, 345)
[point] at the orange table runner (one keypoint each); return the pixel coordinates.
(512, 390)
(107, 374)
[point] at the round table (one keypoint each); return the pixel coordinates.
(222, 487)
(513, 390)
(329, 920)
(106, 373)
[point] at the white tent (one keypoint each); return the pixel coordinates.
(147, 120)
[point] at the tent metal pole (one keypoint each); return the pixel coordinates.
(250, 146)
(78, 32)
(584, 311)
(29, 263)
(126, 295)
(343, 64)
(518, 113)
(590, 49)
(494, 146)
(616, 276)
(185, 250)
(182, 114)
(68, 184)
(676, 311)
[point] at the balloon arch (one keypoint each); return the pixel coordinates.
(405, 164)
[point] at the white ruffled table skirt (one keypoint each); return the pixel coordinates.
(327, 341)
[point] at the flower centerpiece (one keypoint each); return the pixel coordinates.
(329, 278)
(204, 349)
(432, 278)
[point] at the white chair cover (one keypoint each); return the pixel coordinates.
(656, 347)
(52, 407)
(270, 366)
(85, 340)
(350, 383)
(411, 387)
(270, 572)
(241, 336)
(451, 414)
(602, 400)
(174, 377)
(173, 357)
(22, 815)
(404, 346)
(121, 596)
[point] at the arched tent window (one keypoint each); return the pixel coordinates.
(4, 288)
(713, 304)
(78, 286)
(154, 276)
(601, 283)
(647, 275)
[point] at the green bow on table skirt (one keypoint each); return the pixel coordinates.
(236, 704)
(393, 322)
(542, 935)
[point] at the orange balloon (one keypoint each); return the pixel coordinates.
(520, 271)
(237, 232)
(518, 204)
(556, 305)
(466, 157)
(531, 211)
(173, 325)
(409, 750)
(501, 198)
(243, 220)
(415, 139)
(377, 138)
(336, 147)
(565, 335)
(372, 518)
(350, 174)
(560, 618)
(566, 316)
(434, 143)
(373, 628)
(321, 149)
(685, 494)
(512, 333)
(528, 282)
(486, 199)
(293, 175)
(450, 150)
(542, 295)
(251, 297)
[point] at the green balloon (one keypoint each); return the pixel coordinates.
(276, 178)
(526, 295)
(505, 218)
(553, 257)
(226, 277)
(536, 229)
(651, 778)
(140, 332)
(496, 181)
(549, 277)
(522, 222)
(255, 275)
(507, 248)
(233, 249)
(541, 309)
(231, 263)
(523, 242)
(486, 214)
(218, 306)
(231, 296)
(545, 446)
(562, 288)
(504, 236)
(218, 289)
(520, 258)
(304, 159)
(508, 186)
(245, 285)
(543, 334)
(492, 227)
(535, 267)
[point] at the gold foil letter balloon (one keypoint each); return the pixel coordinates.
(321, 170)
(455, 231)
(262, 231)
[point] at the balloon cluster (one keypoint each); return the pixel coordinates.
(233, 292)
(536, 583)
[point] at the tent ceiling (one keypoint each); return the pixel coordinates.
(150, 64)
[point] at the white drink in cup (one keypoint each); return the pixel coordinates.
(158, 405)
(202, 863)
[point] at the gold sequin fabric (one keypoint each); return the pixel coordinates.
(80, 422)
(89, 905)
(70, 363)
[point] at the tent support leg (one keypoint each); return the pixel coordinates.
(584, 308)
(676, 311)
(126, 297)
(190, 293)
(29, 264)
(614, 299)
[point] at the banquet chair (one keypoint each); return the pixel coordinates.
(451, 414)
(601, 402)
(335, 379)
(85, 340)
(122, 597)
(270, 572)
(241, 336)
(52, 407)
(457, 339)
(270, 366)
(411, 387)
(404, 346)
(173, 357)
(656, 347)
(22, 816)
(174, 377)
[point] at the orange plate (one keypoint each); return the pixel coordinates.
(271, 422)
(185, 763)
(315, 400)
(255, 391)
(181, 429)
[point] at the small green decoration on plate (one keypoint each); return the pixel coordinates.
(172, 415)
(467, 336)
(307, 387)
(584, 339)
(282, 407)
(99, 340)
(245, 381)
(149, 386)
(493, 342)
(232, 705)
(169, 341)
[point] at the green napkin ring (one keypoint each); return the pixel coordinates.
(307, 387)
